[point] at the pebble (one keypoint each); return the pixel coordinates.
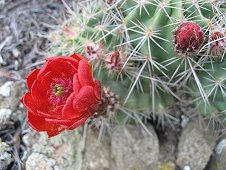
(10, 95)
(195, 147)
(187, 168)
(6, 88)
(133, 148)
(218, 159)
(6, 157)
(37, 161)
(63, 152)
(5, 115)
(101, 159)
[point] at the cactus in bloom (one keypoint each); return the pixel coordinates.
(143, 50)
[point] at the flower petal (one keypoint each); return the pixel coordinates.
(84, 99)
(31, 78)
(76, 105)
(58, 110)
(68, 122)
(44, 70)
(48, 79)
(39, 92)
(77, 57)
(68, 111)
(28, 101)
(39, 109)
(66, 66)
(78, 123)
(76, 84)
(85, 74)
(65, 122)
(55, 131)
(38, 123)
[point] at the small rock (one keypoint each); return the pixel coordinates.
(69, 147)
(218, 159)
(26, 140)
(195, 146)
(220, 147)
(38, 161)
(16, 52)
(187, 168)
(6, 88)
(184, 121)
(132, 148)
(97, 153)
(9, 95)
(6, 157)
(5, 115)
(65, 149)
(46, 149)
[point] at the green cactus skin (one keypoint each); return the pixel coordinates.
(214, 80)
(143, 31)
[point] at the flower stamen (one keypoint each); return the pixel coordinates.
(59, 91)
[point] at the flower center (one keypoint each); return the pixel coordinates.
(60, 89)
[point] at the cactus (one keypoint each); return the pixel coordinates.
(214, 83)
(142, 50)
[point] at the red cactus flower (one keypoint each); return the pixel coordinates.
(188, 38)
(217, 43)
(62, 94)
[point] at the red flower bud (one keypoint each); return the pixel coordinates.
(93, 51)
(114, 61)
(217, 43)
(62, 94)
(188, 38)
